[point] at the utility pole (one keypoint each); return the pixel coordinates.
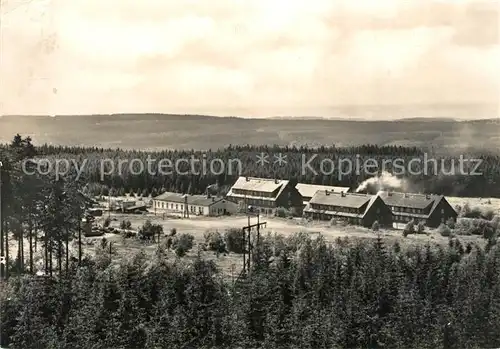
(80, 220)
(248, 228)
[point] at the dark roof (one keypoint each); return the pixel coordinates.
(349, 200)
(352, 200)
(199, 200)
(419, 201)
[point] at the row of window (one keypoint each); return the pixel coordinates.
(253, 193)
(407, 209)
(259, 202)
(404, 219)
(178, 207)
(349, 220)
(334, 208)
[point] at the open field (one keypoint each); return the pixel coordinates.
(160, 131)
(485, 204)
(231, 263)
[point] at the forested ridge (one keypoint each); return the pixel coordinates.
(447, 180)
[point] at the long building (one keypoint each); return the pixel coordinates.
(265, 195)
(308, 190)
(432, 210)
(353, 208)
(193, 205)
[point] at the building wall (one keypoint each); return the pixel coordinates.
(216, 209)
(441, 214)
(160, 206)
(264, 206)
(290, 198)
(223, 207)
(379, 212)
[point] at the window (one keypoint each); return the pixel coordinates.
(176, 206)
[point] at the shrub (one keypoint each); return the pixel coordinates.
(107, 222)
(149, 231)
(450, 223)
(495, 221)
(125, 224)
(467, 212)
(444, 230)
(489, 232)
(409, 228)
(173, 231)
(420, 228)
(463, 227)
(375, 226)
(183, 244)
(168, 243)
(282, 212)
(488, 214)
(235, 241)
(215, 242)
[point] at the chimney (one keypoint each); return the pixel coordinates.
(427, 196)
(342, 194)
(389, 193)
(327, 192)
(213, 199)
(208, 196)
(247, 179)
(276, 180)
(406, 195)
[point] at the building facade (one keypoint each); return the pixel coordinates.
(192, 205)
(352, 208)
(265, 195)
(430, 209)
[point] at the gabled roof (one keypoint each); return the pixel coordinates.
(308, 190)
(419, 201)
(199, 200)
(259, 184)
(351, 200)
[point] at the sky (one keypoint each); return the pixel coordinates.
(245, 57)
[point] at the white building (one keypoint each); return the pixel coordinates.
(193, 205)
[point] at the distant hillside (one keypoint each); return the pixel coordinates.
(156, 131)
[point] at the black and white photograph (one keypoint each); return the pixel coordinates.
(249, 174)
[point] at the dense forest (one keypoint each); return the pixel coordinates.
(127, 177)
(302, 293)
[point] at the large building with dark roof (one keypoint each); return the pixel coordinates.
(353, 208)
(265, 195)
(308, 190)
(192, 205)
(430, 209)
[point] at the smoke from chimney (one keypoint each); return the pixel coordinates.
(385, 181)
